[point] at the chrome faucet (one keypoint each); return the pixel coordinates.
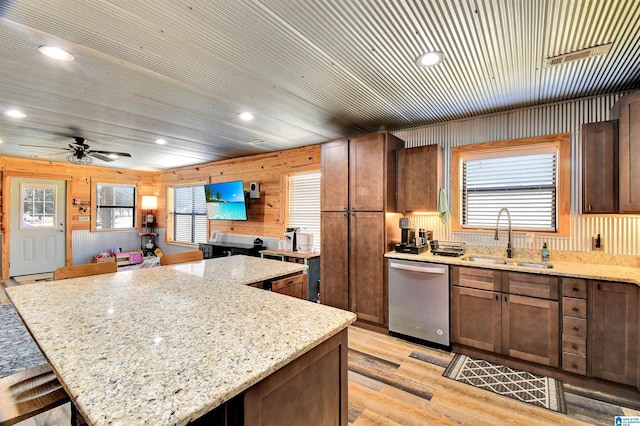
(504, 209)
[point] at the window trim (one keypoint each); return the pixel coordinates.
(94, 207)
(562, 141)
(169, 228)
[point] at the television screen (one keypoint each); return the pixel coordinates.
(225, 200)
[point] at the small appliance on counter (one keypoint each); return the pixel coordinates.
(410, 243)
(304, 241)
(290, 239)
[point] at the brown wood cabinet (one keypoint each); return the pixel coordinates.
(613, 332)
(334, 261)
(295, 286)
(574, 325)
(362, 172)
(600, 167)
(521, 320)
(627, 110)
(419, 178)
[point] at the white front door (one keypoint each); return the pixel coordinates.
(37, 231)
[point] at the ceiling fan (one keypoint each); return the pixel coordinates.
(79, 152)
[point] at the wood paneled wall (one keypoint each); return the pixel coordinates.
(79, 180)
(266, 215)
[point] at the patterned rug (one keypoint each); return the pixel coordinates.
(520, 385)
(18, 351)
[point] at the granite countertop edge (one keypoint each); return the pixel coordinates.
(589, 271)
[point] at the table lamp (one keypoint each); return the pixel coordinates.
(149, 204)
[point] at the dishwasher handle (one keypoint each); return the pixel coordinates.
(422, 269)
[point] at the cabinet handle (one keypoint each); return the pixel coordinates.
(497, 298)
(574, 365)
(575, 289)
(505, 298)
(576, 328)
(599, 286)
(575, 309)
(574, 346)
(589, 207)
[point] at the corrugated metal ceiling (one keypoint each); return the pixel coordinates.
(309, 70)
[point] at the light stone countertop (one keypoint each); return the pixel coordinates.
(593, 271)
(167, 345)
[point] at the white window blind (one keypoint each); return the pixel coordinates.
(189, 214)
(523, 182)
(115, 206)
(304, 204)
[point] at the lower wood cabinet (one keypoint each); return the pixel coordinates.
(295, 286)
(514, 324)
(613, 332)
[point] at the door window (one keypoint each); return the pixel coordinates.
(38, 206)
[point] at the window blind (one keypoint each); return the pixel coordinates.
(526, 184)
(189, 215)
(304, 204)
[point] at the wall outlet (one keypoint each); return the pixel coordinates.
(83, 218)
(596, 243)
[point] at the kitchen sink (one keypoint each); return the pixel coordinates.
(544, 265)
(484, 259)
(503, 261)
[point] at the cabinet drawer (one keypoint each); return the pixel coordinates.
(574, 345)
(482, 279)
(574, 287)
(534, 285)
(292, 286)
(574, 307)
(574, 364)
(574, 327)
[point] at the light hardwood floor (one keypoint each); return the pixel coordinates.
(387, 386)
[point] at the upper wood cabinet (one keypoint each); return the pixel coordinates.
(419, 178)
(628, 111)
(335, 176)
(600, 167)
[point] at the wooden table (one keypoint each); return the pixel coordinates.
(174, 344)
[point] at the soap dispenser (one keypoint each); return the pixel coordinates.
(545, 252)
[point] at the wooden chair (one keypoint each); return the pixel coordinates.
(186, 256)
(84, 270)
(30, 392)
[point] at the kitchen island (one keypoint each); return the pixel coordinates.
(190, 342)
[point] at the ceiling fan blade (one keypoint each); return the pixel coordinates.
(119, 154)
(49, 147)
(94, 154)
(56, 154)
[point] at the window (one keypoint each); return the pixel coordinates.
(115, 206)
(38, 206)
(304, 204)
(529, 177)
(188, 215)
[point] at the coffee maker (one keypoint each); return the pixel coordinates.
(290, 239)
(409, 243)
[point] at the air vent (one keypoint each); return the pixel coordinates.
(579, 54)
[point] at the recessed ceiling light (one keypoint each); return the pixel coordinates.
(161, 141)
(56, 53)
(246, 116)
(14, 113)
(430, 59)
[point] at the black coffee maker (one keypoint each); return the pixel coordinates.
(409, 244)
(408, 233)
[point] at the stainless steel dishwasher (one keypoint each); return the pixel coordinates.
(419, 300)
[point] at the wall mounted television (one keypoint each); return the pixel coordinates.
(226, 200)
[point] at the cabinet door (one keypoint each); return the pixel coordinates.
(530, 329)
(613, 331)
(600, 167)
(292, 286)
(335, 176)
(334, 261)
(476, 318)
(366, 257)
(422, 178)
(367, 172)
(629, 114)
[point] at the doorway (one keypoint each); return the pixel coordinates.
(37, 226)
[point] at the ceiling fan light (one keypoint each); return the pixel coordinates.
(73, 158)
(430, 59)
(56, 53)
